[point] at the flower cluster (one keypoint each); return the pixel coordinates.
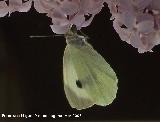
(9, 6)
(137, 22)
(64, 13)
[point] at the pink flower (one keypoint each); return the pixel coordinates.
(137, 22)
(65, 13)
(4, 9)
(14, 5)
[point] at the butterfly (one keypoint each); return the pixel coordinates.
(88, 78)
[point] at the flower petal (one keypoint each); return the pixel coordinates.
(60, 29)
(4, 9)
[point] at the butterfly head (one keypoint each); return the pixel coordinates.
(74, 39)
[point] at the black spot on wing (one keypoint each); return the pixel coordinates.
(78, 83)
(76, 101)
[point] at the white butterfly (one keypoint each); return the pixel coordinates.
(88, 78)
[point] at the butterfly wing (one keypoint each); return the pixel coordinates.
(97, 80)
(78, 98)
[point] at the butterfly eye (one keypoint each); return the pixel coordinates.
(78, 83)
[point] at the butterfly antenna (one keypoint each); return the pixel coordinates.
(38, 36)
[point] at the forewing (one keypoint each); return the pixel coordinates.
(78, 97)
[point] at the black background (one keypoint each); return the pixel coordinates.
(32, 77)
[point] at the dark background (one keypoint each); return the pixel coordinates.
(31, 77)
